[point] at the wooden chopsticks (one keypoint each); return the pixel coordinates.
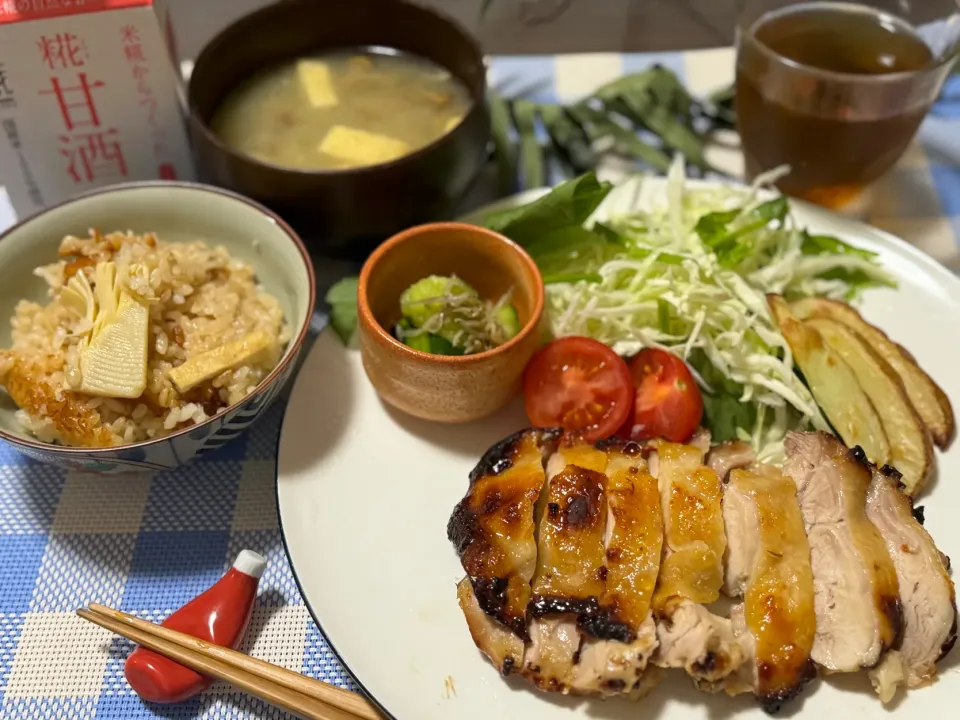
(295, 693)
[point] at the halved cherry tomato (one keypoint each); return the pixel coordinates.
(668, 403)
(578, 384)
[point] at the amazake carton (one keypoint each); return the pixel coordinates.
(89, 96)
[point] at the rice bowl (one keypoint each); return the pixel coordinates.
(175, 212)
(200, 299)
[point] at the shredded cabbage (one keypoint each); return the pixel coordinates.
(690, 275)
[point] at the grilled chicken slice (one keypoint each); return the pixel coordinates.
(612, 667)
(927, 593)
(492, 528)
(765, 533)
(550, 657)
(692, 638)
(570, 574)
(701, 440)
(633, 542)
(729, 456)
(691, 573)
(856, 593)
(690, 497)
(572, 513)
(496, 641)
(634, 536)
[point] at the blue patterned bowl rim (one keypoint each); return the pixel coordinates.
(289, 356)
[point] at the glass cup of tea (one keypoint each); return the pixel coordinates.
(837, 90)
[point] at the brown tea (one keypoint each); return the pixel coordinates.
(830, 89)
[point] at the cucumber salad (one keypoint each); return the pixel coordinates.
(444, 315)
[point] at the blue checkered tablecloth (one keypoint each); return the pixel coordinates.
(149, 543)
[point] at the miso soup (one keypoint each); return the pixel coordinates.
(341, 109)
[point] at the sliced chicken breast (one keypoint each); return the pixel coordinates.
(692, 638)
(634, 536)
(690, 498)
(927, 594)
(766, 536)
(701, 440)
(691, 573)
(501, 646)
(571, 573)
(492, 528)
(856, 593)
(612, 667)
(552, 653)
(633, 542)
(742, 524)
(572, 521)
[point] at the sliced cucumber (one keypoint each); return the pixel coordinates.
(508, 320)
(434, 344)
(412, 301)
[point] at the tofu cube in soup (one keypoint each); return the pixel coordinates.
(314, 76)
(361, 147)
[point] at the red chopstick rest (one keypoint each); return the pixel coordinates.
(220, 615)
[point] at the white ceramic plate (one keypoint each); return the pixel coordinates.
(365, 492)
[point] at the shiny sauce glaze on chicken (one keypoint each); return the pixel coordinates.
(493, 527)
(768, 565)
(591, 569)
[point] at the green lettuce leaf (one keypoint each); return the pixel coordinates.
(568, 204)
(829, 245)
(723, 412)
(731, 241)
(342, 299)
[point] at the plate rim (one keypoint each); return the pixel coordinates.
(293, 571)
(927, 261)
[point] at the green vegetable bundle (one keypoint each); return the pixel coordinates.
(646, 116)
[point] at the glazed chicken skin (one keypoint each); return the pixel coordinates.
(927, 595)
(570, 574)
(599, 554)
(689, 635)
(768, 565)
(690, 495)
(493, 528)
(591, 551)
(856, 592)
(634, 536)
(632, 547)
(592, 569)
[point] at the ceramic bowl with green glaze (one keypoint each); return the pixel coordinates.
(176, 212)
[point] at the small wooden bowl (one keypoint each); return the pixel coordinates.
(440, 387)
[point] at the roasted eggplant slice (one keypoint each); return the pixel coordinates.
(911, 451)
(834, 385)
(931, 403)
